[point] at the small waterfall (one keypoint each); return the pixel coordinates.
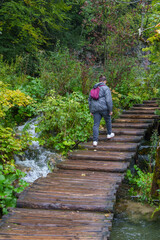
(36, 159)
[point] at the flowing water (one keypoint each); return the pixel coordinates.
(125, 228)
(36, 160)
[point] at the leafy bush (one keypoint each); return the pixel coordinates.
(142, 183)
(65, 120)
(34, 88)
(10, 144)
(10, 177)
(135, 91)
(11, 100)
(63, 72)
(10, 184)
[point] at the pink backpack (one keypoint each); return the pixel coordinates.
(94, 93)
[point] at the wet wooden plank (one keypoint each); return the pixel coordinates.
(73, 190)
(125, 131)
(139, 112)
(121, 138)
(134, 120)
(89, 165)
(145, 108)
(101, 155)
(151, 101)
(83, 175)
(58, 225)
(108, 146)
(139, 116)
(151, 104)
(131, 125)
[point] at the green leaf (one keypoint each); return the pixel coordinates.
(2, 178)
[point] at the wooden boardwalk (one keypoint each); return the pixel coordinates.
(77, 201)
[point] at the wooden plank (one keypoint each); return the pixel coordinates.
(83, 175)
(131, 125)
(121, 138)
(101, 155)
(58, 225)
(145, 108)
(125, 131)
(134, 120)
(152, 104)
(140, 112)
(139, 116)
(117, 147)
(89, 165)
(151, 101)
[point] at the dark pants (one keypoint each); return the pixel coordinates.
(97, 118)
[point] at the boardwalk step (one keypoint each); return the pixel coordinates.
(150, 101)
(121, 138)
(140, 112)
(145, 108)
(128, 131)
(81, 176)
(81, 192)
(137, 116)
(125, 131)
(134, 120)
(131, 125)
(33, 224)
(119, 147)
(89, 165)
(101, 155)
(152, 104)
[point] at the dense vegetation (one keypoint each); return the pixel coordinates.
(52, 52)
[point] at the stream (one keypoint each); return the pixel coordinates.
(36, 161)
(127, 228)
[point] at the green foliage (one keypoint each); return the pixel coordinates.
(12, 104)
(10, 184)
(110, 29)
(153, 46)
(11, 98)
(34, 88)
(11, 144)
(142, 183)
(65, 120)
(63, 72)
(26, 25)
(71, 36)
(135, 91)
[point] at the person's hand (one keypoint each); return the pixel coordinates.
(110, 113)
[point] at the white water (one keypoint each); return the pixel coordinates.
(36, 158)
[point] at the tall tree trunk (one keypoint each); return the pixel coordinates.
(156, 174)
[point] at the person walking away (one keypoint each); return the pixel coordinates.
(101, 107)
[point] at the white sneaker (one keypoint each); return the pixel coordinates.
(95, 143)
(110, 135)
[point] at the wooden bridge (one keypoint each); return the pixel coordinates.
(77, 201)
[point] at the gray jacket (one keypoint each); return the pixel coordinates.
(104, 103)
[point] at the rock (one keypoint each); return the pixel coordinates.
(136, 211)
